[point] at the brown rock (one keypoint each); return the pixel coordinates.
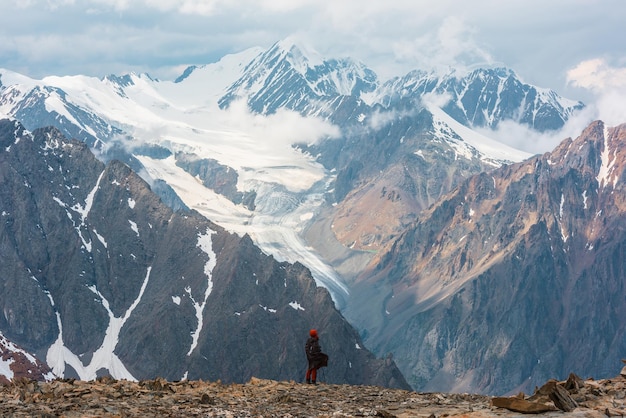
(544, 391)
(574, 383)
(259, 397)
(562, 399)
(521, 405)
(609, 412)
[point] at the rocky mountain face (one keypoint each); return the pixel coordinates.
(383, 182)
(514, 277)
(392, 160)
(17, 364)
(99, 277)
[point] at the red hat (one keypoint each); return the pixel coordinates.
(313, 333)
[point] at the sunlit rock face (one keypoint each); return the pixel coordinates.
(99, 277)
(515, 277)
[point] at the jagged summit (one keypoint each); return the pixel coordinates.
(289, 76)
(483, 98)
(302, 55)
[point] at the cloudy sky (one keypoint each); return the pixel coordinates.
(575, 47)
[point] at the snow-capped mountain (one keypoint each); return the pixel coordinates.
(315, 159)
(288, 77)
(53, 102)
(254, 181)
(483, 98)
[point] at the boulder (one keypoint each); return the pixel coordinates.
(521, 405)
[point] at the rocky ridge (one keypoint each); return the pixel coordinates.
(513, 278)
(107, 397)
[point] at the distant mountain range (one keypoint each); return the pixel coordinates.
(321, 163)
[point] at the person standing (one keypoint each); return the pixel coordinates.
(315, 357)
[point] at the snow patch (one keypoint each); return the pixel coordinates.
(59, 355)
(133, 226)
(296, 306)
(5, 368)
(266, 309)
(100, 238)
(82, 211)
(205, 243)
(606, 168)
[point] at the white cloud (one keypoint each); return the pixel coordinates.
(436, 99)
(597, 75)
(279, 130)
(607, 83)
(525, 139)
(452, 45)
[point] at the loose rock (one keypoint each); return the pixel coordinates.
(120, 398)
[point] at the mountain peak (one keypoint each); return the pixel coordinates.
(301, 56)
(291, 75)
(299, 51)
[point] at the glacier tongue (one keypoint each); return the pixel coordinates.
(274, 226)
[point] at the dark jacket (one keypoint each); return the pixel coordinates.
(314, 353)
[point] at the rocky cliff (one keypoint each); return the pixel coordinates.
(514, 277)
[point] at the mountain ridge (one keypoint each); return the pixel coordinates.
(522, 257)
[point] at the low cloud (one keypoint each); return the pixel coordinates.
(436, 99)
(607, 87)
(281, 129)
(607, 84)
(524, 138)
